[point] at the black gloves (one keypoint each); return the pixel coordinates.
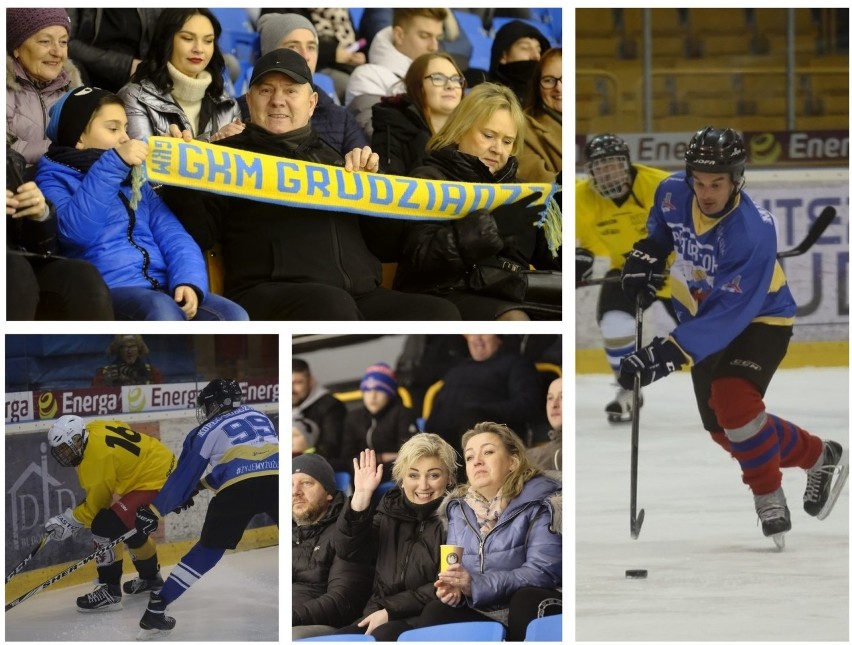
(641, 276)
(652, 362)
(146, 520)
(585, 260)
(517, 218)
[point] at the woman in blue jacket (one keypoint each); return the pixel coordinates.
(508, 519)
(110, 216)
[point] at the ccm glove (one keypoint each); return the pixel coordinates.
(585, 261)
(651, 363)
(146, 520)
(640, 277)
(517, 218)
(62, 526)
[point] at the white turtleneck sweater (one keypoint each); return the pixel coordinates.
(188, 92)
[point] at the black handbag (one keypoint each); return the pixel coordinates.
(507, 280)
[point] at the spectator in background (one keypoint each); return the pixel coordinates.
(478, 144)
(130, 364)
(180, 85)
(40, 287)
(515, 53)
(414, 32)
(333, 123)
(404, 123)
(425, 358)
(509, 521)
(383, 424)
(404, 535)
(541, 159)
(110, 216)
(336, 36)
(312, 401)
(305, 435)
(328, 591)
(38, 73)
(109, 44)
(492, 384)
(549, 455)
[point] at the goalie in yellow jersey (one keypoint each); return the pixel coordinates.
(111, 459)
(612, 207)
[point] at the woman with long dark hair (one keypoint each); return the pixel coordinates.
(181, 82)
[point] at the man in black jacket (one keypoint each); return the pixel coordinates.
(328, 591)
(312, 401)
(291, 263)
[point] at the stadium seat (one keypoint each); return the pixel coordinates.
(215, 269)
(404, 396)
(481, 42)
(355, 16)
(362, 638)
(429, 397)
(549, 367)
(343, 482)
(475, 631)
(546, 629)
(325, 83)
(233, 19)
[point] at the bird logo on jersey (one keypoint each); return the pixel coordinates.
(699, 285)
(733, 286)
(668, 205)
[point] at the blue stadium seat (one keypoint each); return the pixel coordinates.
(546, 629)
(243, 45)
(325, 83)
(233, 19)
(355, 17)
(343, 482)
(363, 638)
(481, 42)
(476, 631)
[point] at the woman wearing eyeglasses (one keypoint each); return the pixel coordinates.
(403, 124)
(478, 143)
(542, 156)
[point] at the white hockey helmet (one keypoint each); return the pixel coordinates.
(67, 438)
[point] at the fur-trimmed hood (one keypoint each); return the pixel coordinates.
(14, 70)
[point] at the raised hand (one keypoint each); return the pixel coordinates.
(368, 476)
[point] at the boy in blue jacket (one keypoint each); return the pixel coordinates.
(110, 216)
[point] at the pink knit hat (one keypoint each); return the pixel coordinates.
(23, 23)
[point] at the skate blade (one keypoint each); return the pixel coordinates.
(779, 539)
(617, 418)
(153, 634)
(841, 474)
(101, 610)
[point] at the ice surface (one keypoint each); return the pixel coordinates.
(237, 600)
(712, 576)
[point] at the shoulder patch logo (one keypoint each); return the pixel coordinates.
(733, 286)
(667, 205)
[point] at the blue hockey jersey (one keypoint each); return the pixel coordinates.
(725, 275)
(236, 445)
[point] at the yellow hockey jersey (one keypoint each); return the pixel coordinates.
(118, 460)
(609, 230)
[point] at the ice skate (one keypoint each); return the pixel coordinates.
(155, 623)
(104, 598)
(820, 495)
(621, 409)
(774, 515)
(141, 585)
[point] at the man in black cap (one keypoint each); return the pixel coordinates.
(328, 592)
(292, 263)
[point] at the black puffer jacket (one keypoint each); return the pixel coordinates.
(383, 432)
(406, 538)
(437, 255)
(400, 134)
(328, 589)
(270, 243)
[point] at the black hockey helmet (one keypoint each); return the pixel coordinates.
(605, 145)
(218, 396)
(717, 150)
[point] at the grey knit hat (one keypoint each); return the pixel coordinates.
(272, 28)
(23, 23)
(316, 466)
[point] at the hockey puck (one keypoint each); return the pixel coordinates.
(636, 573)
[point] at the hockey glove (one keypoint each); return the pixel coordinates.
(517, 218)
(585, 261)
(640, 277)
(189, 503)
(652, 362)
(62, 526)
(146, 520)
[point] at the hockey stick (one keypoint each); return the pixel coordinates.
(44, 540)
(822, 222)
(71, 569)
(635, 520)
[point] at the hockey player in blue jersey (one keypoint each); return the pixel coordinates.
(735, 314)
(240, 445)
